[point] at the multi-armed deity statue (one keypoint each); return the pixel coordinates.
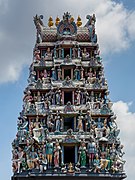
(67, 126)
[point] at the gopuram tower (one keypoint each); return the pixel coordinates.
(67, 128)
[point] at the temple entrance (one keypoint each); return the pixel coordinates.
(67, 72)
(69, 154)
(67, 97)
(68, 123)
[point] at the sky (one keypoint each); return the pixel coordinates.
(115, 27)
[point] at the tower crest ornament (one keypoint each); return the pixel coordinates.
(67, 26)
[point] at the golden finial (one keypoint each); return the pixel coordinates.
(57, 21)
(79, 22)
(72, 19)
(50, 22)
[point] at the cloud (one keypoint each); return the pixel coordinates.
(126, 123)
(115, 27)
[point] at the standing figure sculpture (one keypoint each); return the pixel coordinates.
(53, 74)
(77, 73)
(57, 151)
(91, 147)
(49, 152)
(57, 123)
(82, 152)
(80, 124)
(58, 96)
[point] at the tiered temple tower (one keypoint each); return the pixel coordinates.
(67, 127)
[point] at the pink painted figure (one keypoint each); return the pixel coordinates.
(57, 151)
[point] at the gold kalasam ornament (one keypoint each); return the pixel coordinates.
(57, 21)
(70, 166)
(72, 19)
(79, 21)
(50, 22)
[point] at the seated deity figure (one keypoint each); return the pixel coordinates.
(33, 159)
(117, 165)
(91, 76)
(43, 74)
(37, 56)
(42, 163)
(57, 151)
(104, 163)
(85, 54)
(48, 53)
(20, 158)
(49, 152)
(15, 160)
(96, 164)
(32, 77)
(27, 97)
(67, 81)
(37, 130)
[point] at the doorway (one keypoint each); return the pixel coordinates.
(69, 154)
(68, 123)
(67, 72)
(67, 97)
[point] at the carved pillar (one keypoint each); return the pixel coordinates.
(73, 100)
(62, 123)
(70, 52)
(62, 73)
(62, 154)
(74, 123)
(79, 51)
(76, 154)
(62, 52)
(37, 74)
(55, 56)
(63, 97)
(72, 74)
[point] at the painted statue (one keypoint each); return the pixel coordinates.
(91, 148)
(57, 151)
(53, 74)
(77, 73)
(96, 164)
(80, 124)
(49, 152)
(82, 156)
